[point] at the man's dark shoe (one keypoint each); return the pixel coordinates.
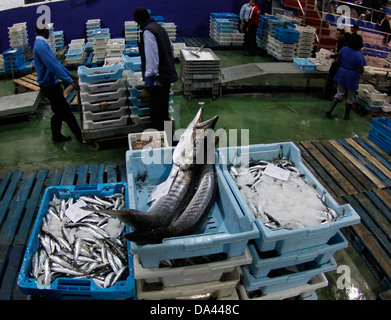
(62, 139)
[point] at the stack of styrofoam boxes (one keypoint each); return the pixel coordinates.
(205, 263)
(287, 262)
(59, 39)
(104, 97)
(223, 29)
(282, 45)
(18, 36)
(170, 27)
(99, 39)
(199, 72)
(115, 47)
(76, 52)
(92, 25)
(13, 59)
(132, 36)
(305, 42)
(2, 68)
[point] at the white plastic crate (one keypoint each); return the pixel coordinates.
(95, 88)
(94, 125)
(370, 95)
(157, 137)
(220, 288)
(191, 274)
(317, 282)
(104, 96)
(105, 105)
(105, 115)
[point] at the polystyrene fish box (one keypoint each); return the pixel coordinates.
(189, 274)
(83, 288)
(223, 287)
(317, 282)
(286, 278)
(227, 228)
(262, 265)
(280, 239)
(100, 74)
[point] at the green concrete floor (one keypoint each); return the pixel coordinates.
(270, 117)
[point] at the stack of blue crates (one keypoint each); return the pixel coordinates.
(13, 59)
(221, 239)
(286, 260)
(380, 133)
(59, 39)
(286, 35)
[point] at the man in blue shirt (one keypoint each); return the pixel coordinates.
(49, 71)
(157, 66)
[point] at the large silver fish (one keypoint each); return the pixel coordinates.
(191, 218)
(184, 174)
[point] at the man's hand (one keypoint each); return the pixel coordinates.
(145, 95)
(75, 82)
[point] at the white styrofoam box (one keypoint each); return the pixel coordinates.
(317, 282)
(104, 96)
(220, 288)
(105, 105)
(94, 125)
(105, 115)
(191, 274)
(157, 137)
(110, 61)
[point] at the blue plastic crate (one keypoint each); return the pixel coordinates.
(74, 53)
(304, 64)
(369, 107)
(268, 284)
(12, 51)
(100, 74)
(67, 288)
(228, 229)
(262, 265)
(380, 140)
(284, 240)
(132, 63)
(139, 111)
(382, 124)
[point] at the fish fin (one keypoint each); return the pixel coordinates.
(153, 236)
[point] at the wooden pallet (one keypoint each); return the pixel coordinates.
(357, 172)
(26, 83)
(21, 193)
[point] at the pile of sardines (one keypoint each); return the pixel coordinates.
(88, 248)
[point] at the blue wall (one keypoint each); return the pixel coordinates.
(191, 17)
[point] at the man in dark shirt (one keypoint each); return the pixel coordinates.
(157, 67)
(330, 87)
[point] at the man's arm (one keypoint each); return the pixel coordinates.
(151, 64)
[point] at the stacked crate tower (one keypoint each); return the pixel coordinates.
(199, 70)
(224, 29)
(104, 98)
